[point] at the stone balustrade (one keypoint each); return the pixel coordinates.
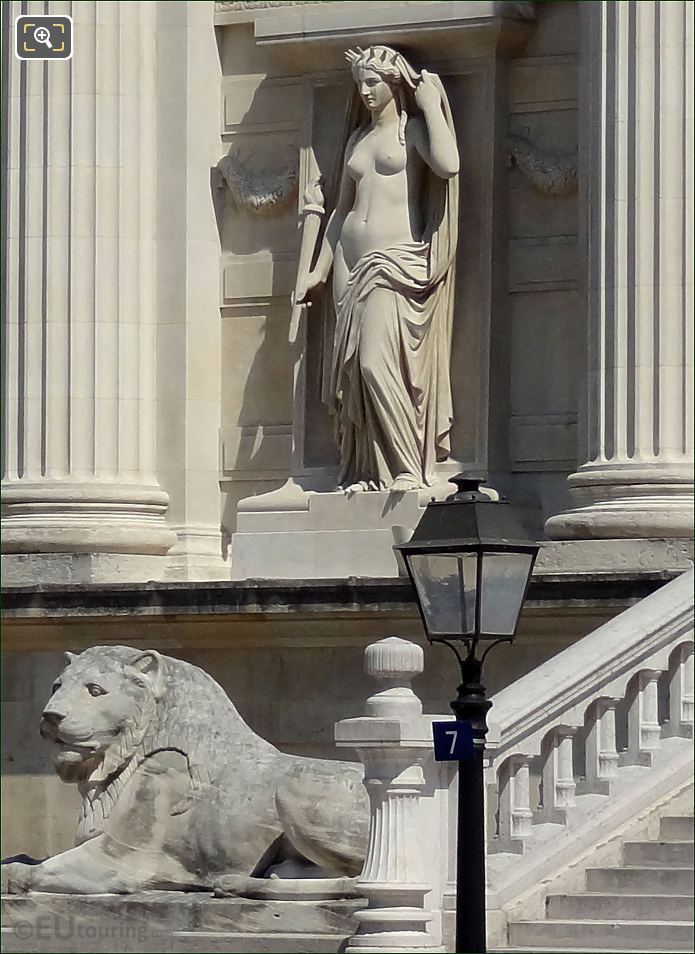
(587, 724)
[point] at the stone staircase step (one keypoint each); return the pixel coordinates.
(677, 828)
(604, 935)
(622, 907)
(661, 854)
(647, 880)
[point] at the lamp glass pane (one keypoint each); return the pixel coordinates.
(446, 588)
(502, 591)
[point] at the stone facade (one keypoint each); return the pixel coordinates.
(136, 423)
(154, 402)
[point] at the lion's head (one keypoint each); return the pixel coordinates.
(100, 708)
(113, 707)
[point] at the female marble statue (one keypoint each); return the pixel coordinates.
(391, 242)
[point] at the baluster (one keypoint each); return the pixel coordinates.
(601, 751)
(643, 729)
(681, 692)
(558, 777)
(515, 815)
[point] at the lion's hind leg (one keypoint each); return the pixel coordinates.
(324, 813)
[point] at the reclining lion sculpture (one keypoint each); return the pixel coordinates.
(177, 791)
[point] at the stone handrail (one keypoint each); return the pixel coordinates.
(598, 665)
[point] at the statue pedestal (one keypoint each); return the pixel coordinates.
(172, 922)
(304, 535)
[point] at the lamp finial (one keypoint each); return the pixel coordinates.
(467, 488)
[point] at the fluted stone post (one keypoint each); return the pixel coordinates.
(393, 740)
(638, 478)
(79, 433)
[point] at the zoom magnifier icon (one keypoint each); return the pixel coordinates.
(43, 35)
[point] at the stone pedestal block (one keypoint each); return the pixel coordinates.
(293, 534)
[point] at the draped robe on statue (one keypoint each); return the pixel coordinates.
(387, 357)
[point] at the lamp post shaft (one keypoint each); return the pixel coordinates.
(471, 705)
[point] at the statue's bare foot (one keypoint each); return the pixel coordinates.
(404, 482)
(359, 487)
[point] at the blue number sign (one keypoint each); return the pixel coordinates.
(453, 741)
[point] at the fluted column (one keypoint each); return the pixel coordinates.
(638, 479)
(79, 361)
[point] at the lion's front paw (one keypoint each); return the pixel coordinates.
(16, 877)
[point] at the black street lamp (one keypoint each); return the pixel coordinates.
(470, 562)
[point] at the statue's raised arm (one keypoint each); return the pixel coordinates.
(390, 244)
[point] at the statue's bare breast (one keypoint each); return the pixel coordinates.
(385, 212)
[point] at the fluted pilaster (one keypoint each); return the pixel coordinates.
(638, 479)
(79, 432)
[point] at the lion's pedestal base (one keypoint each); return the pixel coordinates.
(171, 921)
(304, 535)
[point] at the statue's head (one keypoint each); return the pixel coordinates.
(380, 73)
(99, 708)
